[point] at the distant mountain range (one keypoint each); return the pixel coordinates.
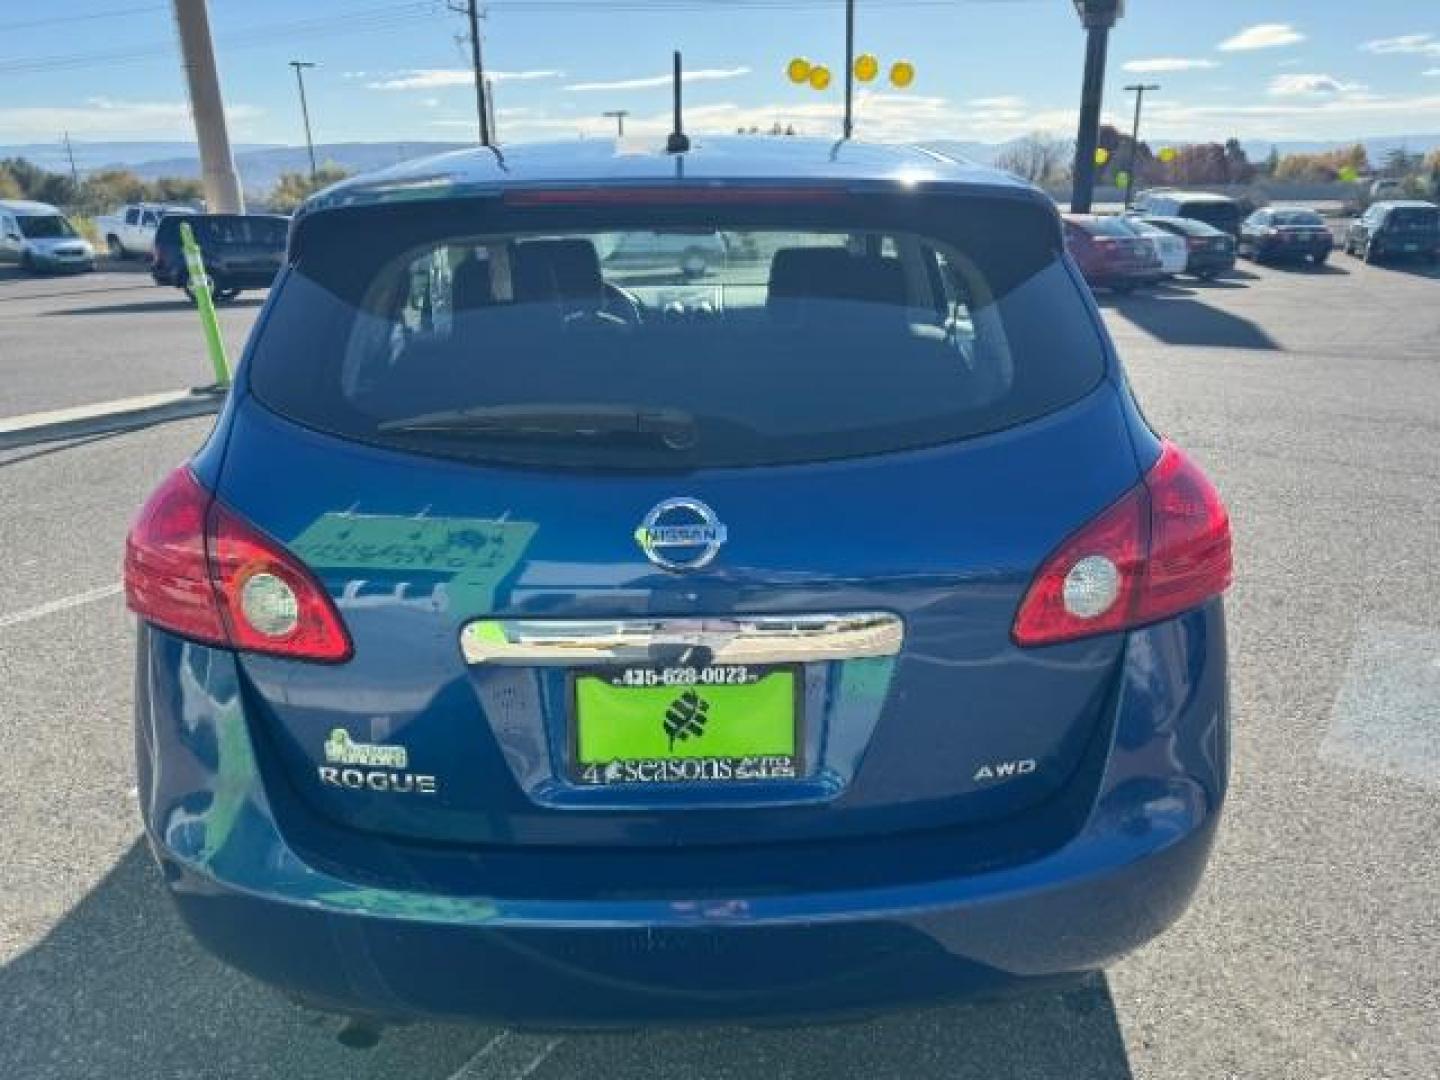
(261, 164)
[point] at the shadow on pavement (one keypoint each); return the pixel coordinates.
(1413, 267)
(1298, 266)
(117, 989)
(160, 303)
(1176, 316)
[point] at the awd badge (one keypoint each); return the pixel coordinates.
(371, 767)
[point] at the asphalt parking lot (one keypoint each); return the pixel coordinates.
(1312, 396)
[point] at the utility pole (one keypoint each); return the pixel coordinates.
(472, 12)
(1097, 17)
(300, 66)
(618, 115)
(849, 127)
(1138, 90)
(217, 164)
(490, 110)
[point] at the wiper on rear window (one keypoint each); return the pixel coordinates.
(673, 428)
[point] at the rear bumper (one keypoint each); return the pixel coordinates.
(250, 898)
(1271, 249)
(245, 279)
(1210, 262)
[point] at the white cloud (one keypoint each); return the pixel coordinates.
(997, 104)
(109, 118)
(1431, 71)
(1335, 117)
(438, 78)
(1424, 44)
(1168, 63)
(1298, 85)
(650, 81)
(1262, 36)
(880, 116)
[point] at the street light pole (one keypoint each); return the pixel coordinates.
(1097, 16)
(299, 66)
(849, 128)
(618, 115)
(1138, 90)
(223, 194)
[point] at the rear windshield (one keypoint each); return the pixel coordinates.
(1407, 217)
(1108, 226)
(1223, 215)
(1183, 226)
(676, 337)
(1307, 218)
(227, 231)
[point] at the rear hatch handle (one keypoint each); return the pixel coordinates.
(753, 639)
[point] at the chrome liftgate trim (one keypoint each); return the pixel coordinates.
(742, 639)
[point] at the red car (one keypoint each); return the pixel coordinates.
(1110, 253)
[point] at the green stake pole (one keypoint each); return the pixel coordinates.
(205, 304)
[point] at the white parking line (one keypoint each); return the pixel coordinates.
(508, 1056)
(63, 604)
(1386, 717)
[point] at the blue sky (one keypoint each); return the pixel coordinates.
(987, 69)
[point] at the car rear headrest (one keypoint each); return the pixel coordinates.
(798, 275)
(548, 270)
(470, 287)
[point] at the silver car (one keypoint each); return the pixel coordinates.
(41, 239)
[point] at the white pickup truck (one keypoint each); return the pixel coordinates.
(130, 230)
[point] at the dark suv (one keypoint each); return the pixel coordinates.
(1396, 228)
(241, 251)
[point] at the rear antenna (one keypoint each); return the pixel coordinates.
(678, 142)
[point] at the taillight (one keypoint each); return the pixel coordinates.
(1162, 548)
(167, 574)
(195, 567)
(1193, 242)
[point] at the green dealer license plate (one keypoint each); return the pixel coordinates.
(726, 723)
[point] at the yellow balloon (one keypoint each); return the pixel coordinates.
(902, 73)
(1167, 154)
(1101, 155)
(866, 67)
(819, 77)
(799, 70)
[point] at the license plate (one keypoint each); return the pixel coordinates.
(1412, 247)
(679, 724)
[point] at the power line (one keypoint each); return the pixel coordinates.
(112, 13)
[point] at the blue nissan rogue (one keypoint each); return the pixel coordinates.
(569, 640)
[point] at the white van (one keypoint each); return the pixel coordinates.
(40, 239)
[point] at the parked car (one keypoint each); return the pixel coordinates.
(130, 230)
(40, 239)
(1285, 232)
(1169, 248)
(1388, 229)
(1387, 188)
(695, 254)
(1218, 211)
(512, 651)
(1209, 252)
(1110, 254)
(241, 251)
